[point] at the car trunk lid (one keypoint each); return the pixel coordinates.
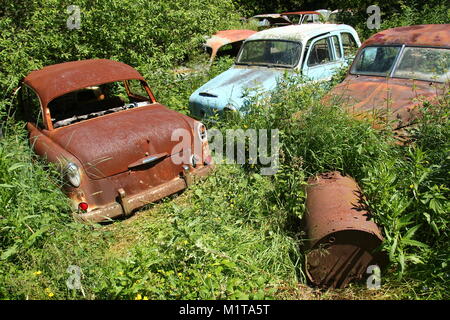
(122, 141)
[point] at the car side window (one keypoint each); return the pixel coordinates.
(349, 44)
(337, 47)
(320, 53)
(32, 106)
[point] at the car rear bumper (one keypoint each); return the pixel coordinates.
(128, 204)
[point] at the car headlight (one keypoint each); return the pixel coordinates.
(229, 107)
(72, 174)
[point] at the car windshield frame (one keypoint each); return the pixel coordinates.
(119, 101)
(273, 65)
(396, 63)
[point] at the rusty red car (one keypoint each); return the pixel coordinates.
(99, 122)
(394, 72)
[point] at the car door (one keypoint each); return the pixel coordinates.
(323, 58)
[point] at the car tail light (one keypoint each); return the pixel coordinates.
(83, 206)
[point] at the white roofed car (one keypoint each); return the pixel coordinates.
(315, 51)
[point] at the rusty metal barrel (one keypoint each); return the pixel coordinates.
(342, 238)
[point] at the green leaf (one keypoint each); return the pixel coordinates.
(435, 228)
(9, 252)
(414, 259)
(428, 217)
(16, 166)
(406, 219)
(435, 205)
(401, 260)
(392, 250)
(414, 243)
(411, 232)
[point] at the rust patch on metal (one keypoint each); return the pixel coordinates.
(56, 80)
(273, 19)
(392, 100)
(342, 238)
(224, 37)
(430, 35)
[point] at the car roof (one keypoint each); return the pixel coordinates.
(300, 33)
(300, 12)
(433, 35)
(56, 80)
(268, 15)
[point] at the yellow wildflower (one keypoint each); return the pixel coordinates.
(49, 292)
(37, 273)
(138, 297)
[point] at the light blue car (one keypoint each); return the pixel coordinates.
(315, 51)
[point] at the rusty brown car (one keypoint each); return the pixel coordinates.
(99, 122)
(396, 70)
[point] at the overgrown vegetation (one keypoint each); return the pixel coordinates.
(237, 234)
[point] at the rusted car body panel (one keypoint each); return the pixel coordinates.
(124, 158)
(391, 99)
(431, 35)
(56, 80)
(224, 37)
(286, 18)
(342, 238)
(268, 20)
(383, 99)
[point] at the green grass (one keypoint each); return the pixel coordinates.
(201, 244)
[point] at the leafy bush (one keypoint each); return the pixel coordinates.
(145, 34)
